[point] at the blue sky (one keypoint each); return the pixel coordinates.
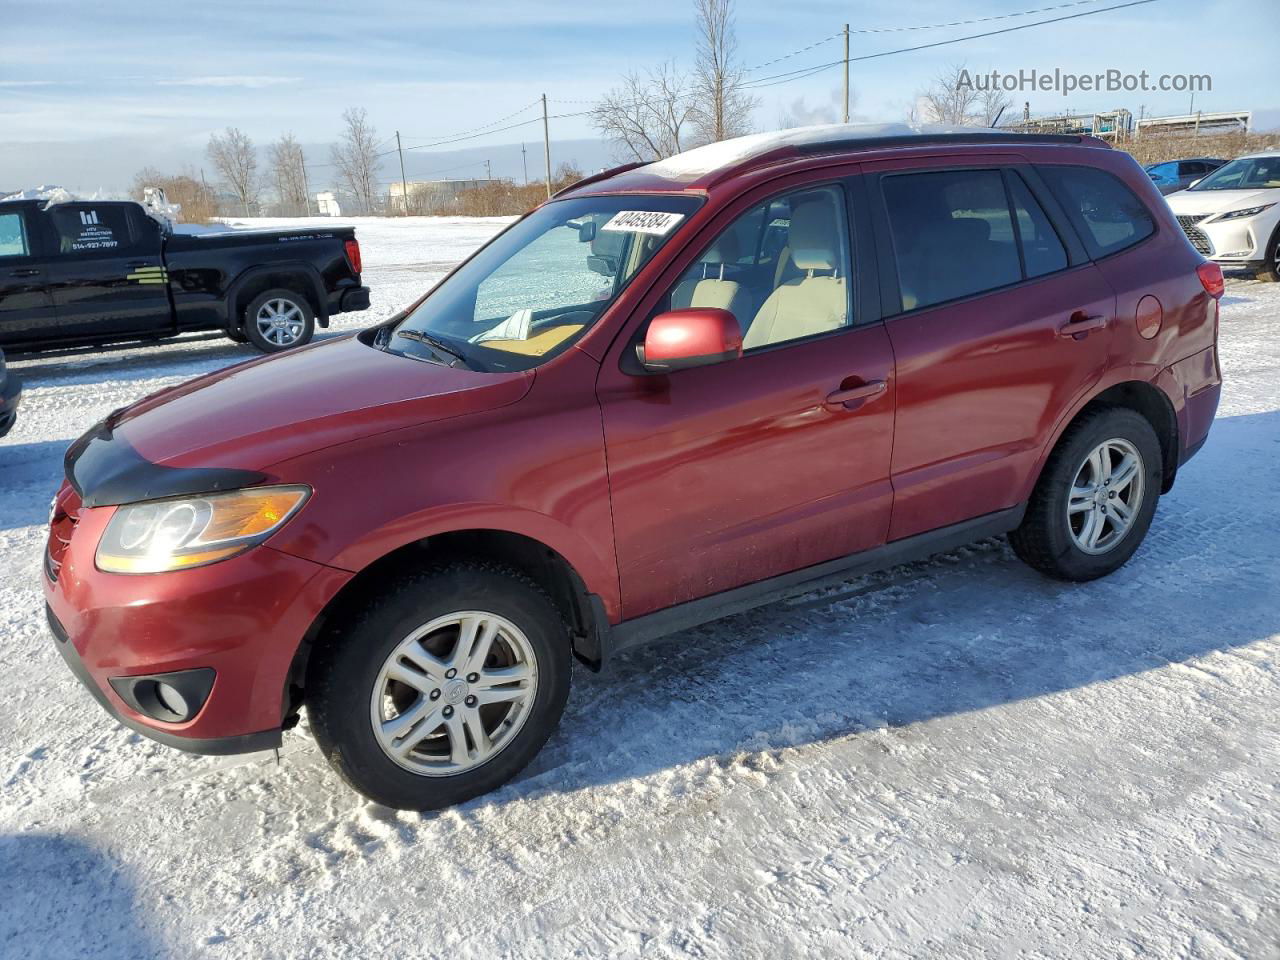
(111, 86)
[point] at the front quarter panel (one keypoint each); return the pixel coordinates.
(535, 468)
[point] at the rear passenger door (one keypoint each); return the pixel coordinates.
(26, 310)
(106, 276)
(1000, 324)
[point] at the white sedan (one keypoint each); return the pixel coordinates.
(1233, 214)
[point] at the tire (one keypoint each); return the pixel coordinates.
(278, 320)
(1269, 272)
(1055, 539)
(237, 335)
(356, 655)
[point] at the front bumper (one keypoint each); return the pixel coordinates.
(1230, 242)
(10, 397)
(243, 618)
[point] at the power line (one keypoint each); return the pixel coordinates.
(493, 123)
(925, 26)
(810, 71)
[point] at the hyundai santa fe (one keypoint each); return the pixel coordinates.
(670, 393)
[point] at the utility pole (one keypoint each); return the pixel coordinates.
(488, 171)
(306, 187)
(524, 163)
(1192, 108)
(846, 73)
(404, 184)
(546, 143)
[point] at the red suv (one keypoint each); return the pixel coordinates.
(671, 393)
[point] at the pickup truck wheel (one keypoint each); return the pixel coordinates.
(1095, 499)
(279, 320)
(442, 688)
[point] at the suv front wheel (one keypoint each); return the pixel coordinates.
(441, 689)
(1095, 499)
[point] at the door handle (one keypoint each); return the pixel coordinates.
(25, 272)
(850, 398)
(136, 264)
(1080, 324)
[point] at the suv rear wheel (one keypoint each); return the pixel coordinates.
(443, 688)
(279, 320)
(1095, 499)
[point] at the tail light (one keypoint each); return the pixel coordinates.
(1210, 275)
(353, 256)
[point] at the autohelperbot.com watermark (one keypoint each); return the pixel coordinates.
(1066, 82)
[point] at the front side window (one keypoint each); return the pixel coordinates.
(13, 236)
(952, 234)
(781, 268)
(1247, 173)
(537, 287)
(1110, 216)
(88, 229)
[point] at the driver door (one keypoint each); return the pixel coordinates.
(729, 474)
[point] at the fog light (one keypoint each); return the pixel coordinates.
(172, 700)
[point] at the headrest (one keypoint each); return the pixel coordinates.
(813, 239)
(724, 250)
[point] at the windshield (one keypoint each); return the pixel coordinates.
(540, 285)
(1247, 173)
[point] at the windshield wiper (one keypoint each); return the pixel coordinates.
(439, 346)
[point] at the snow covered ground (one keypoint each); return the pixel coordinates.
(956, 759)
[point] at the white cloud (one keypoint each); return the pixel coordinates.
(251, 82)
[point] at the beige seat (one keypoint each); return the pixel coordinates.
(711, 289)
(808, 304)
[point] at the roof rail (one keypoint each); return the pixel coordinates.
(602, 175)
(928, 139)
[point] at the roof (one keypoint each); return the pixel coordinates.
(703, 166)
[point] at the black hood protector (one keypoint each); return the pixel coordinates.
(106, 470)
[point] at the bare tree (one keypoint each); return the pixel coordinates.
(355, 156)
(723, 106)
(647, 118)
(234, 157)
(954, 98)
(285, 156)
(950, 98)
(185, 189)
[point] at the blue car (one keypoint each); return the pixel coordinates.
(1174, 175)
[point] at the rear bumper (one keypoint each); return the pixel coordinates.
(10, 397)
(352, 299)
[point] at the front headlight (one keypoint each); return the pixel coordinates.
(1246, 212)
(161, 535)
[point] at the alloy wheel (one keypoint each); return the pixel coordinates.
(453, 693)
(280, 322)
(1106, 496)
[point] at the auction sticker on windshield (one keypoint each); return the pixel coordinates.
(643, 221)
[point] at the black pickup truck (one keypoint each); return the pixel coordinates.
(94, 272)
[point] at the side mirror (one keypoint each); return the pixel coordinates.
(691, 337)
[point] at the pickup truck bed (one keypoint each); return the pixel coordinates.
(100, 272)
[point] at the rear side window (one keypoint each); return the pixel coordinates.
(952, 234)
(13, 236)
(1042, 249)
(86, 229)
(1109, 216)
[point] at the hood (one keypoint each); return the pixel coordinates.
(1204, 203)
(246, 417)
